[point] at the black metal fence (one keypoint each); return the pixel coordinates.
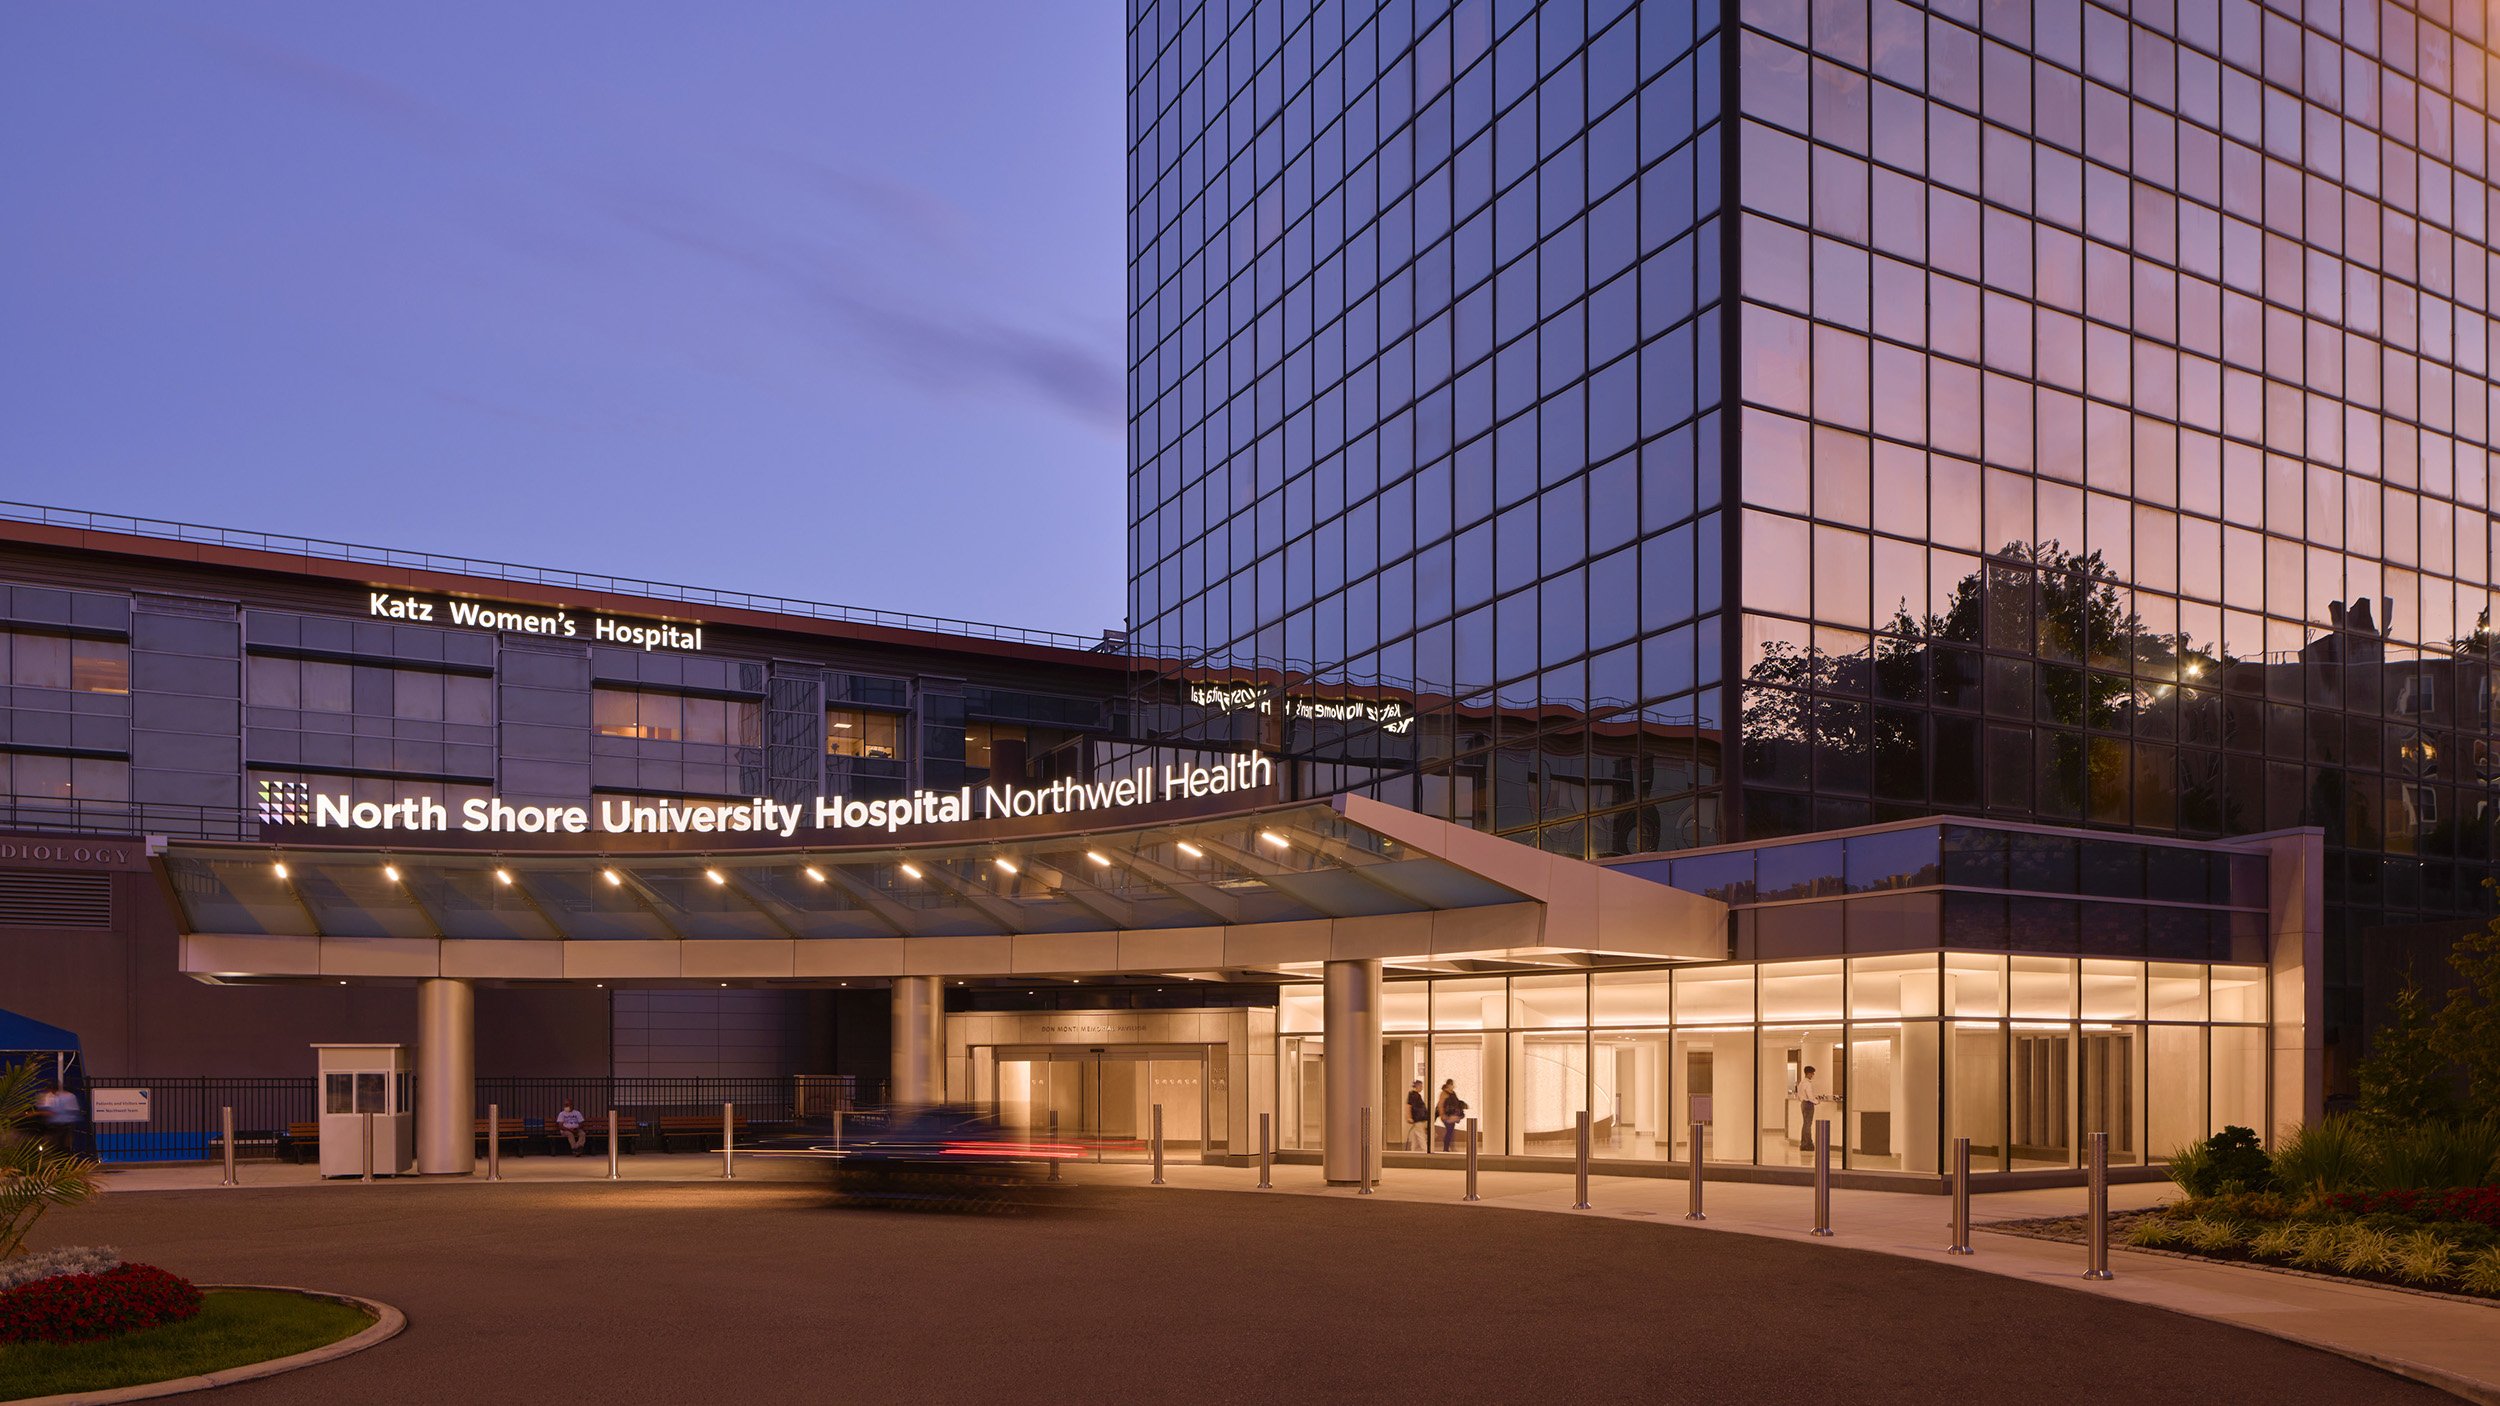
(183, 1110)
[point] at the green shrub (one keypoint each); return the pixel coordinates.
(2330, 1155)
(2278, 1242)
(2230, 1162)
(2366, 1251)
(2212, 1234)
(2322, 1248)
(2152, 1232)
(2423, 1258)
(2191, 1169)
(2437, 1156)
(2480, 1274)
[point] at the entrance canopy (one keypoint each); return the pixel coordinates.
(1272, 891)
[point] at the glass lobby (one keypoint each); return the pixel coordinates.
(2024, 1055)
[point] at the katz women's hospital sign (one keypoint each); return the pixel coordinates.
(300, 803)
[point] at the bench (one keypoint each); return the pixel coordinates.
(703, 1129)
(594, 1134)
(513, 1135)
(300, 1139)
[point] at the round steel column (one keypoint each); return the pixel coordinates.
(1351, 1061)
(919, 1040)
(446, 1113)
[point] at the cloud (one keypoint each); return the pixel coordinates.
(337, 87)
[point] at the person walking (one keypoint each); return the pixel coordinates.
(569, 1122)
(1805, 1109)
(1451, 1109)
(1418, 1118)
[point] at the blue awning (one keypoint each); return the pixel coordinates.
(26, 1035)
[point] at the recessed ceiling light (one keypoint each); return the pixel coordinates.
(912, 871)
(391, 872)
(714, 876)
(815, 873)
(1005, 865)
(611, 876)
(280, 866)
(503, 876)
(1192, 850)
(1096, 856)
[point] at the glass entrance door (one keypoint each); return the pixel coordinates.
(1104, 1100)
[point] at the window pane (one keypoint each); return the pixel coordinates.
(2175, 991)
(1801, 990)
(707, 720)
(417, 694)
(2177, 1076)
(2239, 993)
(1881, 987)
(845, 733)
(329, 688)
(39, 661)
(1549, 1000)
(100, 666)
(1632, 998)
(2113, 990)
(663, 716)
(274, 683)
(613, 712)
(469, 700)
(1471, 1003)
(1974, 986)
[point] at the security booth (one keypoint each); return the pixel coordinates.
(362, 1080)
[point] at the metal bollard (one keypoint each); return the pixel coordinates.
(2096, 1217)
(494, 1142)
(612, 1144)
(1961, 1198)
(1822, 1176)
(1054, 1140)
(728, 1141)
(368, 1147)
(1267, 1154)
(1692, 1207)
(225, 1135)
(1471, 1163)
(837, 1127)
(1580, 1165)
(1363, 1171)
(1157, 1179)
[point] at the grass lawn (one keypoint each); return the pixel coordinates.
(234, 1327)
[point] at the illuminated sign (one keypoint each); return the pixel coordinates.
(644, 635)
(1391, 715)
(298, 803)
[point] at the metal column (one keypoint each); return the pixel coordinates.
(1158, 1146)
(1351, 1060)
(1961, 1198)
(612, 1175)
(225, 1137)
(1822, 1176)
(1267, 1149)
(728, 1141)
(446, 1078)
(919, 1040)
(1692, 1208)
(494, 1142)
(1580, 1164)
(1471, 1162)
(2096, 1215)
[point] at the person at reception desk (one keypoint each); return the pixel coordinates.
(1452, 1109)
(1805, 1109)
(1418, 1119)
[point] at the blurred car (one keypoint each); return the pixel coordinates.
(940, 1156)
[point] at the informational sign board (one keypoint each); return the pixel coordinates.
(120, 1105)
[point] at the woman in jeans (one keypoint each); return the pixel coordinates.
(1451, 1109)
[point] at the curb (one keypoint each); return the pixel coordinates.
(387, 1323)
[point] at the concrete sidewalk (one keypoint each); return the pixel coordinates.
(2442, 1342)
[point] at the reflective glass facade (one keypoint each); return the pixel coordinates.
(2098, 430)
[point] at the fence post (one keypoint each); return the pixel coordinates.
(225, 1136)
(1158, 1146)
(1580, 1163)
(2096, 1229)
(1471, 1162)
(1961, 1198)
(368, 1147)
(1822, 1176)
(1266, 1154)
(1692, 1200)
(1363, 1169)
(728, 1141)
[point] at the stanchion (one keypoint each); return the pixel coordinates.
(2096, 1217)
(1580, 1164)
(368, 1176)
(837, 1126)
(1822, 1176)
(612, 1144)
(1157, 1179)
(1471, 1163)
(1363, 1170)
(1961, 1198)
(1692, 1199)
(225, 1136)
(1267, 1153)
(1054, 1140)
(728, 1141)
(494, 1142)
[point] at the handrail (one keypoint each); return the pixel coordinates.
(327, 550)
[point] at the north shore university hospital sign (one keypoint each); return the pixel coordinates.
(302, 803)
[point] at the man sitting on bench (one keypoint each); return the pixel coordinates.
(569, 1121)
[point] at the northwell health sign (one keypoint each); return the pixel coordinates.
(300, 803)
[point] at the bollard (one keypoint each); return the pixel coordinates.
(2096, 1228)
(1822, 1176)
(1157, 1179)
(1692, 1200)
(494, 1142)
(1266, 1152)
(225, 1134)
(1471, 1163)
(728, 1141)
(1363, 1171)
(1054, 1140)
(368, 1147)
(837, 1127)
(1961, 1198)
(1580, 1165)
(612, 1144)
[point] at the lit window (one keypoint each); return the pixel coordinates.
(855, 732)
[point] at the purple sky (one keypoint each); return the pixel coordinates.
(816, 299)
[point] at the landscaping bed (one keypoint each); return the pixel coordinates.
(231, 1328)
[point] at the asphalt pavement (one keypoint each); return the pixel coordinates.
(754, 1291)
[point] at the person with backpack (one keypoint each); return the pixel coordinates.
(1452, 1109)
(1418, 1119)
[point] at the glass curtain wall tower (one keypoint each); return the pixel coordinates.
(1684, 423)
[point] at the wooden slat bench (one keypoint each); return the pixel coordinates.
(301, 1140)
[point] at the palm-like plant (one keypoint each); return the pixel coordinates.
(36, 1174)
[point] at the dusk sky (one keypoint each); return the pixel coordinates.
(816, 299)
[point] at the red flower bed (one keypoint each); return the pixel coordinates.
(70, 1308)
(2479, 1205)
